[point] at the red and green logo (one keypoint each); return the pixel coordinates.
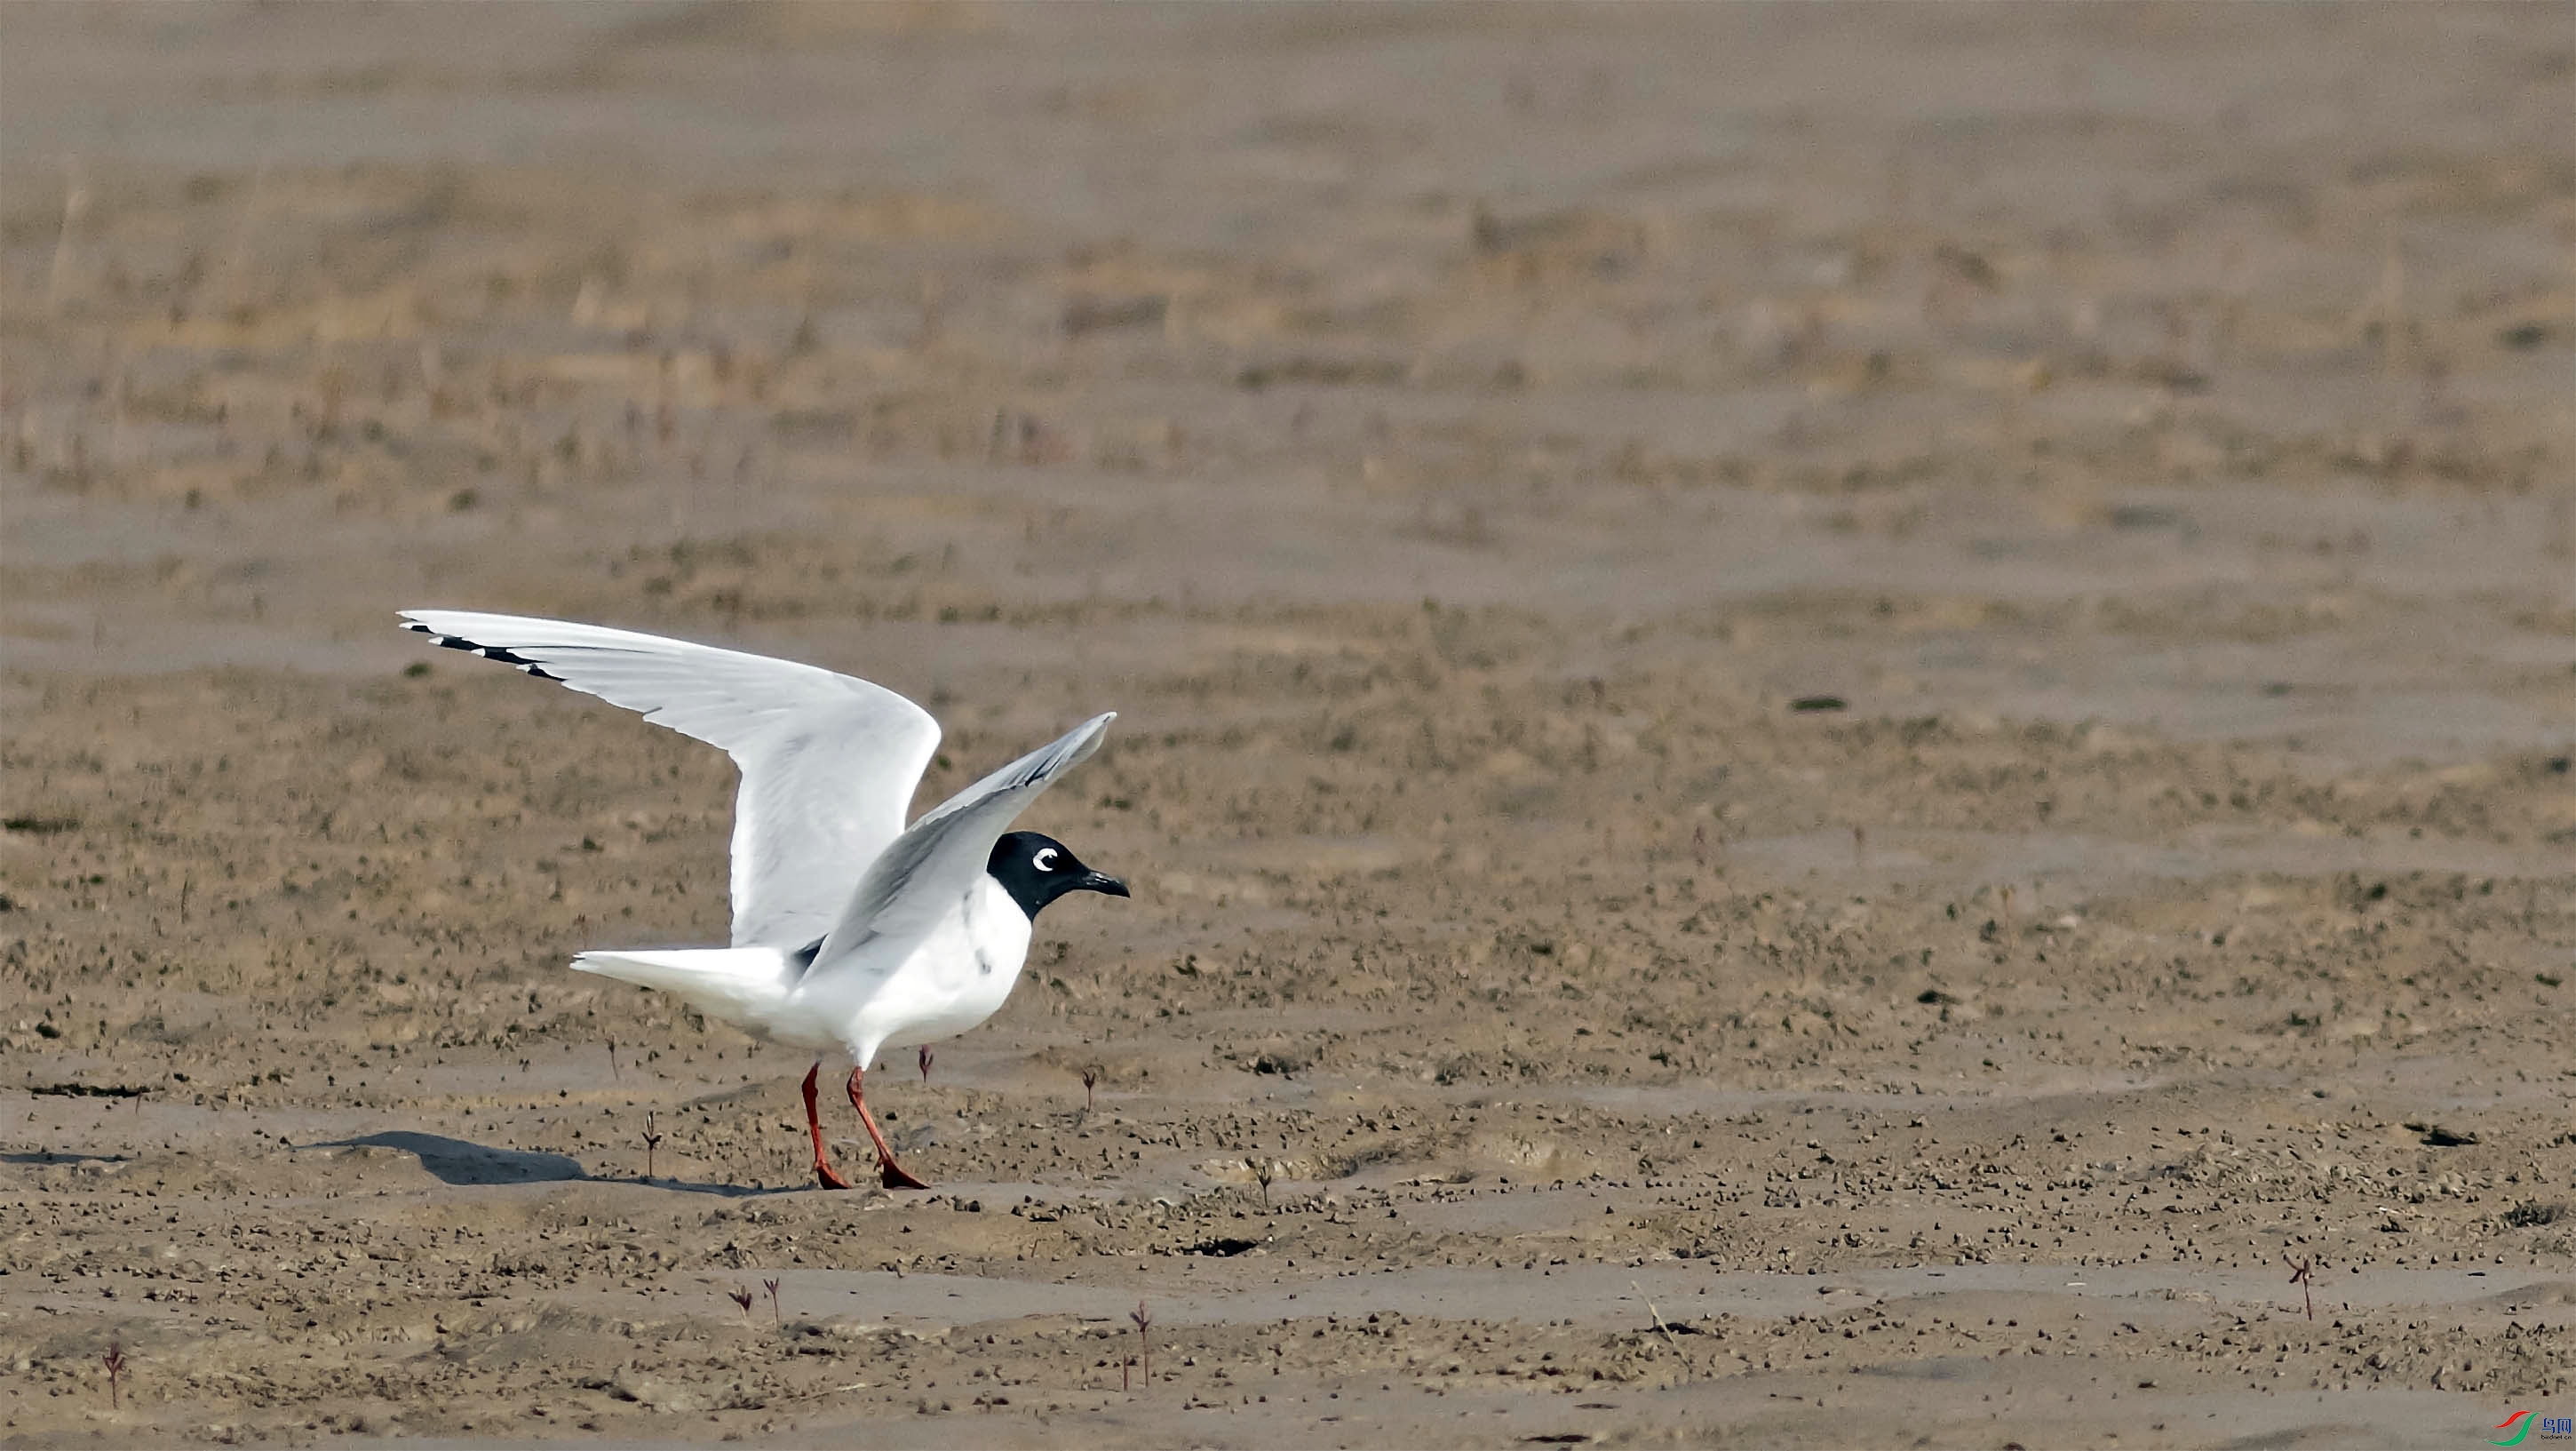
(2519, 1424)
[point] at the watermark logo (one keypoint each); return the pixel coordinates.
(2519, 1425)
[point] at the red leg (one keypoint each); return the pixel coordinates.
(823, 1172)
(925, 1063)
(887, 1169)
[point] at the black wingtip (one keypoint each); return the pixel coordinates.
(502, 653)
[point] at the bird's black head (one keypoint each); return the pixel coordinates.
(1037, 869)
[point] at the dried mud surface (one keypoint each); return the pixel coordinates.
(1830, 717)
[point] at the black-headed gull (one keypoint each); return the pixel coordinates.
(851, 932)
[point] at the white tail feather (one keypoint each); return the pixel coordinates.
(740, 985)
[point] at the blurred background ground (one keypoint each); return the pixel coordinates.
(1830, 716)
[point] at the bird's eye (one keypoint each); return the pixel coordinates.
(1045, 859)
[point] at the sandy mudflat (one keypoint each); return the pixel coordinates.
(1829, 717)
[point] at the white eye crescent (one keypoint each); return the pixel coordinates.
(1045, 859)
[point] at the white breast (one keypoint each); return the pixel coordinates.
(959, 975)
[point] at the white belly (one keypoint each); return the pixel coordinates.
(950, 980)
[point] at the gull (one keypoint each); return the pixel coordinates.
(852, 933)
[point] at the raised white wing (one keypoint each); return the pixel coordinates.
(829, 762)
(931, 867)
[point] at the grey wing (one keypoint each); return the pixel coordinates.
(829, 762)
(929, 868)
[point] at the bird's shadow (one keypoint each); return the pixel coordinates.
(461, 1161)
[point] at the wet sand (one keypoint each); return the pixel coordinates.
(1830, 718)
